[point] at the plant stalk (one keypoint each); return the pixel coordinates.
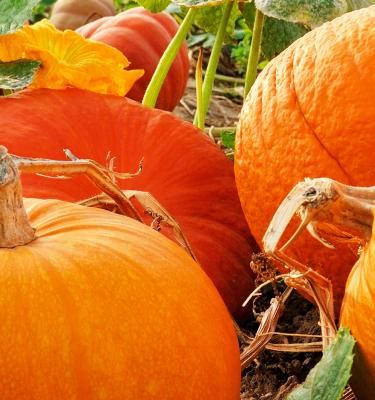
(158, 78)
(198, 80)
(256, 40)
(213, 62)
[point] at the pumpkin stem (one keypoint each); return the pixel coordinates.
(15, 229)
(160, 216)
(102, 177)
(322, 203)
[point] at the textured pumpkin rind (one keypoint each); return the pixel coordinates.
(357, 314)
(143, 37)
(183, 170)
(310, 114)
(99, 306)
(71, 14)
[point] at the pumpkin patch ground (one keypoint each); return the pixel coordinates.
(187, 200)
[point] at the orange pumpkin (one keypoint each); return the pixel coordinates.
(309, 114)
(71, 14)
(357, 312)
(99, 306)
(183, 170)
(142, 37)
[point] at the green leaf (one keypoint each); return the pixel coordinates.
(13, 13)
(206, 40)
(357, 4)
(277, 34)
(327, 380)
(308, 12)
(154, 5)
(17, 74)
(228, 137)
(199, 3)
(208, 19)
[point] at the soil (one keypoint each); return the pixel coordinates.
(273, 374)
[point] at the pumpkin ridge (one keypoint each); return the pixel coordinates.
(310, 128)
(308, 125)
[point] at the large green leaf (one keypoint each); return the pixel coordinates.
(154, 5)
(327, 380)
(199, 3)
(13, 13)
(357, 4)
(208, 19)
(277, 34)
(308, 12)
(17, 74)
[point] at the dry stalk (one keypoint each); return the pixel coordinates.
(267, 325)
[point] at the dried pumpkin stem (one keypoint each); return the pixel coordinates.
(15, 227)
(151, 207)
(322, 202)
(100, 176)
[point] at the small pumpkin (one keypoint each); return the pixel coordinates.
(309, 114)
(182, 169)
(71, 14)
(142, 37)
(99, 306)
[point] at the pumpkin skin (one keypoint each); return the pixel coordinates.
(183, 170)
(99, 306)
(310, 114)
(357, 314)
(142, 37)
(71, 14)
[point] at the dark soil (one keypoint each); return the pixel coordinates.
(274, 374)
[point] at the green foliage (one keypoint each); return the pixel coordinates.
(17, 74)
(206, 40)
(154, 5)
(228, 138)
(208, 19)
(240, 52)
(308, 12)
(199, 3)
(13, 13)
(42, 10)
(357, 4)
(277, 34)
(327, 380)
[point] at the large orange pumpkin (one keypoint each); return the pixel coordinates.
(142, 37)
(99, 306)
(71, 14)
(183, 170)
(357, 313)
(309, 114)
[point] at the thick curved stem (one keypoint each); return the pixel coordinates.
(256, 40)
(157, 80)
(15, 229)
(209, 77)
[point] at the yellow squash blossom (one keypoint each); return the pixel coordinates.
(68, 59)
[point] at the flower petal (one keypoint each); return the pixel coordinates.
(68, 59)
